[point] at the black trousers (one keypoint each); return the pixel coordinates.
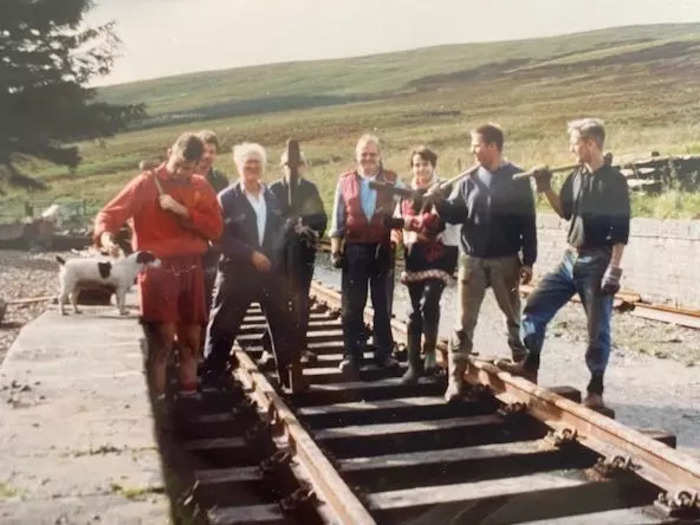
(232, 295)
(424, 316)
(366, 264)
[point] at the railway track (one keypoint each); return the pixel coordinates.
(377, 451)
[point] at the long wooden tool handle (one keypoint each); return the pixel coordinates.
(293, 162)
(607, 159)
(466, 173)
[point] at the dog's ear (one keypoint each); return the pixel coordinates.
(145, 257)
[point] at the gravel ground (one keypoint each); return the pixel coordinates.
(653, 379)
(24, 275)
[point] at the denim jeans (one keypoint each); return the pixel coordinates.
(578, 272)
(366, 264)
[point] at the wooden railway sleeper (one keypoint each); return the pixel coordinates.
(684, 504)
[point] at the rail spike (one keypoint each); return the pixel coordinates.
(614, 466)
(682, 504)
(562, 437)
(276, 461)
(514, 409)
(304, 495)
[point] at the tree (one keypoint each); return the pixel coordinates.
(46, 60)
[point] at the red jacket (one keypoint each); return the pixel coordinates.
(159, 231)
(357, 228)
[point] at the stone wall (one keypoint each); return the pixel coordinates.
(661, 261)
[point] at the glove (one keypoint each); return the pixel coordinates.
(543, 180)
(337, 259)
(307, 235)
(610, 284)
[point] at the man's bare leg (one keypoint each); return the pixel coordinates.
(159, 353)
(189, 337)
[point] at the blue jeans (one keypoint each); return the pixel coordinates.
(581, 273)
(366, 264)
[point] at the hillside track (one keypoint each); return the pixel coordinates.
(378, 451)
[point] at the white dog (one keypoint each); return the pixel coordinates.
(117, 274)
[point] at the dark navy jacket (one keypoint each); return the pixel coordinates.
(308, 205)
(496, 221)
(240, 236)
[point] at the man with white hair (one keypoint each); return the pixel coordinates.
(595, 199)
(174, 214)
(359, 220)
(250, 270)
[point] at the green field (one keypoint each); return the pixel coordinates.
(644, 81)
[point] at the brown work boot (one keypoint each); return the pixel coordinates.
(457, 363)
(523, 369)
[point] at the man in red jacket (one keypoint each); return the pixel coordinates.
(175, 213)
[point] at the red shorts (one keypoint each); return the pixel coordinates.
(174, 293)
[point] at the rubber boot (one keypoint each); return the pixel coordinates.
(430, 366)
(411, 375)
(457, 361)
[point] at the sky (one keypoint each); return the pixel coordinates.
(170, 37)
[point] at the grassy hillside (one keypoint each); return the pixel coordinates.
(644, 81)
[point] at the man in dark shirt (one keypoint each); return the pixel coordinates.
(497, 215)
(305, 224)
(219, 182)
(595, 198)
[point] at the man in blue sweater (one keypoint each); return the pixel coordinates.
(498, 246)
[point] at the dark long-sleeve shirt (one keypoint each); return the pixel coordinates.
(598, 206)
(497, 214)
(308, 206)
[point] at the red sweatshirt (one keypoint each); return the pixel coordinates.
(163, 232)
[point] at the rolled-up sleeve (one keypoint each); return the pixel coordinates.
(620, 213)
(338, 219)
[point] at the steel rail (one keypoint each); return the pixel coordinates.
(322, 476)
(657, 463)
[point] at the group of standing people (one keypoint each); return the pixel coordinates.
(251, 243)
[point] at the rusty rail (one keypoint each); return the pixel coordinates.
(313, 466)
(675, 473)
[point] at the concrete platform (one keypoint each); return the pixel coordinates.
(76, 430)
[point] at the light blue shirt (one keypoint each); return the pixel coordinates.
(368, 202)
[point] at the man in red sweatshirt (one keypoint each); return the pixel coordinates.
(174, 213)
